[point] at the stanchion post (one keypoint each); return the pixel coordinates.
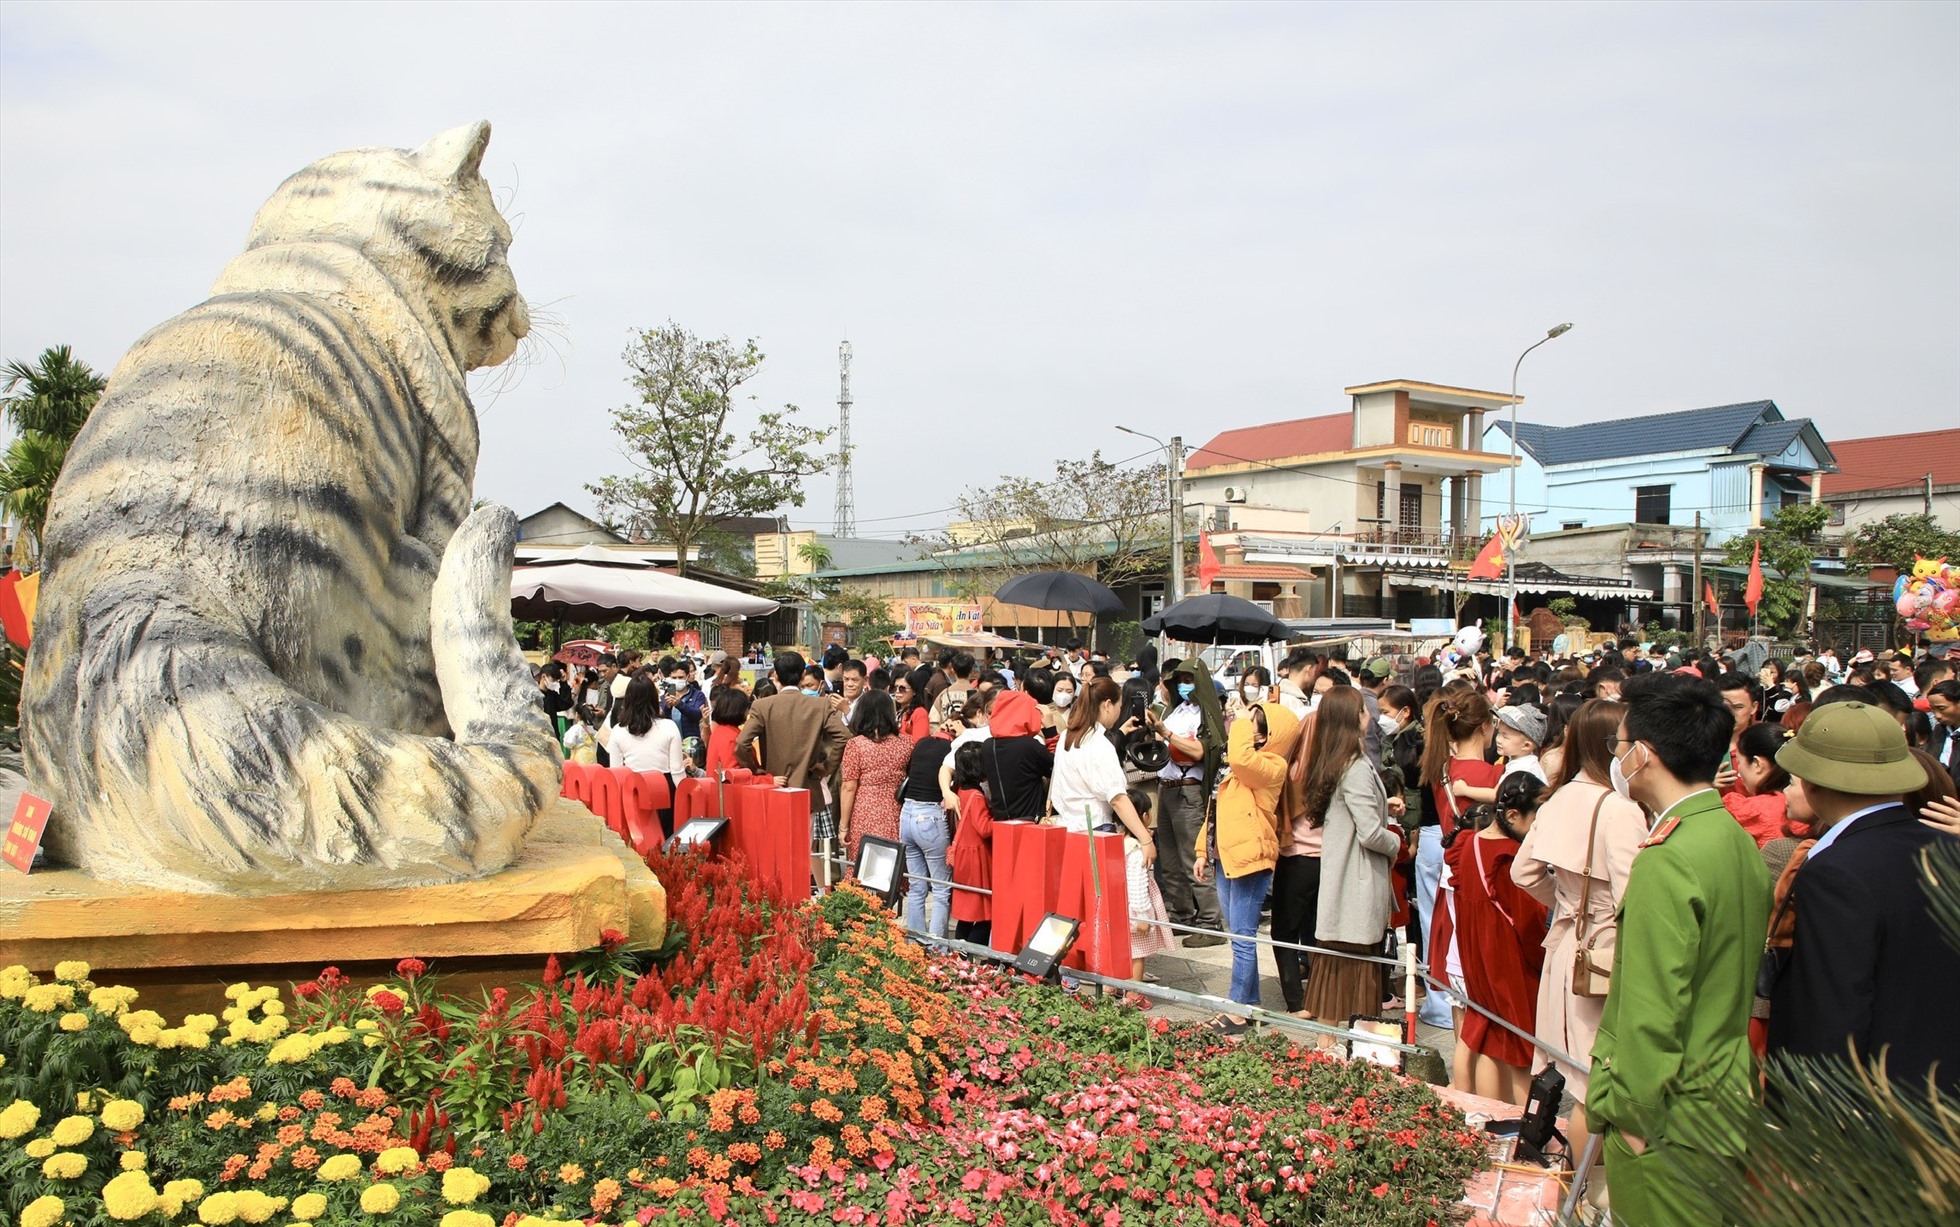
(1408, 992)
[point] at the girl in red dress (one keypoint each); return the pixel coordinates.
(1458, 733)
(1500, 935)
(971, 857)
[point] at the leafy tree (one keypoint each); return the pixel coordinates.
(1895, 540)
(1092, 516)
(46, 403)
(690, 468)
(870, 619)
(1790, 541)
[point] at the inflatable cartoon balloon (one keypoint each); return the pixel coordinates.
(1928, 599)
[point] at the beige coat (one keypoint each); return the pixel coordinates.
(1550, 866)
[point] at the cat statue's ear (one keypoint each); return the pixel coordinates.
(456, 154)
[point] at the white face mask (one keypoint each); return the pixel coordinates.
(1389, 723)
(1064, 697)
(1622, 782)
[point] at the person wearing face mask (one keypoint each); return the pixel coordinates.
(1255, 686)
(1575, 860)
(1672, 1058)
(1190, 727)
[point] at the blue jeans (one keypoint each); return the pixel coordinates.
(922, 829)
(1239, 899)
(1435, 1009)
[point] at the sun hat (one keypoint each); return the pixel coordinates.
(1852, 747)
(1526, 719)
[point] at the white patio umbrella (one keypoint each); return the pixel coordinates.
(593, 586)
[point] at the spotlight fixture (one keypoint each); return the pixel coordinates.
(699, 832)
(1049, 946)
(1539, 1125)
(880, 867)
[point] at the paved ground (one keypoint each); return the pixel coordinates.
(1209, 970)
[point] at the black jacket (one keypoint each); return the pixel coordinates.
(1942, 748)
(1867, 964)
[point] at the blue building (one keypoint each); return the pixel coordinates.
(1735, 464)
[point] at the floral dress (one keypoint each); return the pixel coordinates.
(878, 768)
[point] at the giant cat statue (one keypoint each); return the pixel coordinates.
(273, 648)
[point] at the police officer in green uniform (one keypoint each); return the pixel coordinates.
(1672, 1061)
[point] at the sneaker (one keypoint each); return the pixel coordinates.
(1193, 941)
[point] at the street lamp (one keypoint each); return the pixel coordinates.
(1176, 483)
(1511, 555)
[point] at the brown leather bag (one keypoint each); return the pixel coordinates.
(1592, 964)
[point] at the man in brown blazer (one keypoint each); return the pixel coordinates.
(802, 744)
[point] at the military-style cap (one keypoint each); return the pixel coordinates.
(1855, 748)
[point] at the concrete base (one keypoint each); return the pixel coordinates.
(575, 880)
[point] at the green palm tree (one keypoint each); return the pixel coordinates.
(46, 403)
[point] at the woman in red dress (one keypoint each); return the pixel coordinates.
(725, 717)
(874, 767)
(1500, 936)
(1458, 732)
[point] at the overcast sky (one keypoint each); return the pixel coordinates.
(1036, 221)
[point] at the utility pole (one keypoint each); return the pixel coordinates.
(1929, 494)
(845, 524)
(1177, 516)
(1696, 596)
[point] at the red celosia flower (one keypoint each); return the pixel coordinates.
(611, 940)
(387, 1002)
(308, 988)
(408, 969)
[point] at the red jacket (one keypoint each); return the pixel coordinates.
(972, 858)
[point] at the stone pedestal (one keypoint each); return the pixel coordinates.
(575, 880)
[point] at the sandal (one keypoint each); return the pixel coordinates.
(1226, 1027)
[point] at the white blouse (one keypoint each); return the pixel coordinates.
(658, 749)
(1087, 778)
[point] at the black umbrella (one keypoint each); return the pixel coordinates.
(1059, 590)
(1211, 617)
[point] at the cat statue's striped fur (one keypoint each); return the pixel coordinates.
(273, 649)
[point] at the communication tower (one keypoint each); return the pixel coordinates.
(846, 525)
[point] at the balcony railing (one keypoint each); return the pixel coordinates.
(1413, 543)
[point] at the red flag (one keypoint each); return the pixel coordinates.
(1752, 592)
(1708, 597)
(1207, 563)
(1489, 563)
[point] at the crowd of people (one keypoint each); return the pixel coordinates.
(1643, 868)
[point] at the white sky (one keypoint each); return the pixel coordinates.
(1035, 221)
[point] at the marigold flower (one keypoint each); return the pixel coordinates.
(380, 1199)
(129, 1196)
(134, 1161)
(344, 1087)
(47, 998)
(310, 1099)
(74, 971)
(184, 1190)
(605, 1194)
(257, 1207)
(74, 1022)
(43, 1212)
(122, 1115)
(395, 1159)
(517, 1163)
(64, 1165)
(72, 1130)
(468, 1218)
(39, 1148)
(309, 1206)
(341, 1167)
(18, 1118)
(571, 1173)
(461, 1186)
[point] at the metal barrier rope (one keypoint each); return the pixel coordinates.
(1460, 999)
(1176, 996)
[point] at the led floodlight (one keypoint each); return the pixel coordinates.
(697, 832)
(880, 867)
(1049, 946)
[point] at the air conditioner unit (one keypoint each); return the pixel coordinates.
(1235, 494)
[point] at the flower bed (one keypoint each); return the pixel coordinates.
(782, 1066)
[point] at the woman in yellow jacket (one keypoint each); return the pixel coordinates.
(1239, 846)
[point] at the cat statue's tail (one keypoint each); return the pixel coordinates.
(189, 764)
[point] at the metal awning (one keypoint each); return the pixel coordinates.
(1537, 577)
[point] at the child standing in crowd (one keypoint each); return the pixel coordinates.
(1148, 916)
(972, 856)
(1757, 801)
(1500, 935)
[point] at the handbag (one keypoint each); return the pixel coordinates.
(1775, 958)
(1592, 965)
